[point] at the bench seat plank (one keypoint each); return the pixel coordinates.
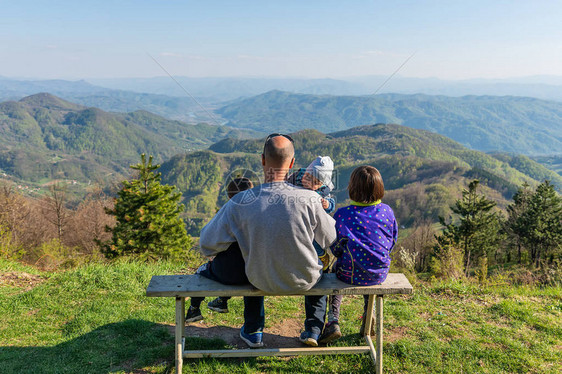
(197, 285)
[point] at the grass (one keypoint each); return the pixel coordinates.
(96, 319)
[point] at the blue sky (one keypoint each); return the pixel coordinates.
(316, 39)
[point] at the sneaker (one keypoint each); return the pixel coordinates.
(331, 332)
(202, 268)
(309, 338)
(362, 330)
(218, 305)
(193, 314)
(253, 339)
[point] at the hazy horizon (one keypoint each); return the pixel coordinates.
(537, 77)
(291, 39)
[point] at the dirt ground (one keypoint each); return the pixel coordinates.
(282, 335)
(22, 280)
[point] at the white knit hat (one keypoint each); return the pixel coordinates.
(321, 168)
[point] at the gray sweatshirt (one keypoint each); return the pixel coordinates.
(274, 225)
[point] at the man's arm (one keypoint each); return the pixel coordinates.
(217, 236)
(325, 230)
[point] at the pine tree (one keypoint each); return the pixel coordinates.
(148, 224)
(544, 220)
(516, 226)
(477, 231)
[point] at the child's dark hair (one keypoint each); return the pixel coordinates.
(238, 185)
(365, 185)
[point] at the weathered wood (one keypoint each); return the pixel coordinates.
(371, 348)
(183, 317)
(308, 351)
(378, 362)
(196, 285)
(180, 301)
(368, 318)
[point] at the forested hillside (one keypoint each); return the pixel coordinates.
(81, 92)
(553, 162)
(423, 172)
(43, 136)
(486, 123)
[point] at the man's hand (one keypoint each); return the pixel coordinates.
(325, 204)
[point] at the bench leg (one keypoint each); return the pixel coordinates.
(183, 317)
(367, 331)
(369, 315)
(378, 329)
(180, 327)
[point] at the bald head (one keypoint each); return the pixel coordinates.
(279, 152)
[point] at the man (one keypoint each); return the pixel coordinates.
(275, 225)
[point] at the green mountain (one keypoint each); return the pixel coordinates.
(45, 137)
(180, 107)
(553, 162)
(486, 123)
(423, 172)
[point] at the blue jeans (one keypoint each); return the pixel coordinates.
(315, 308)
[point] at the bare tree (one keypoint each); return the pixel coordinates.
(420, 243)
(54, 209)
(87, 224)
(14, 210)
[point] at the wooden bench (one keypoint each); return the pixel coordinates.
(182, 286)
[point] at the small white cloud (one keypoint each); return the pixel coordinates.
(196, 57)
(170, 54)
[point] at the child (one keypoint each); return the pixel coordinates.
(229, 259)
(367, 232)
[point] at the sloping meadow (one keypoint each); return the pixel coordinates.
(96, 319)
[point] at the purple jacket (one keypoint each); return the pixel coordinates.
(366, 235)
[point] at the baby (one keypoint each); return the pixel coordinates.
(317, 177)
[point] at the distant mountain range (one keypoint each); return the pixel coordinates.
(227, 88)
(163, 96)
(45, 137)
(487, 123)
(81, 92)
